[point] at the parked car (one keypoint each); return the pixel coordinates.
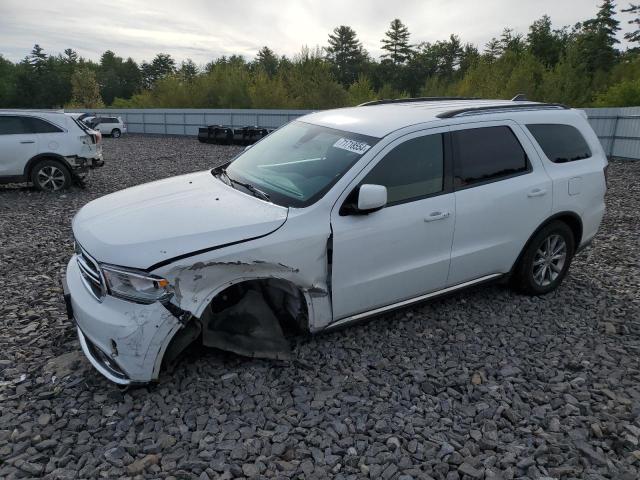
(85, 117)
(333, 218)
(113, 126)
(48, 148)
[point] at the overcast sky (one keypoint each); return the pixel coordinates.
(206, 29)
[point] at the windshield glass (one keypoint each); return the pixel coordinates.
(300, 162)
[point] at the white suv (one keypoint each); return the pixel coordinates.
(337, 216)
(113, 126)
(50, 149)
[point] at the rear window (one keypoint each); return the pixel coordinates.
(487, 154)
(12, 125)
(560, 143)
(35, 125)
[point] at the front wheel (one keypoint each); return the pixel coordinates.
(546, 260)
(115, 133)
(50, 176)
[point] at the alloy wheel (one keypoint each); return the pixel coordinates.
(549, 260)
(51, 178)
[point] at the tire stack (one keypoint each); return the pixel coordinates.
(225, 135)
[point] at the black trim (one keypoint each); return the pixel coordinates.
(492, 108)
(553, 217)
(454, 148)
(348, 208)
(13, 179)
(168, 261)
(33, 160)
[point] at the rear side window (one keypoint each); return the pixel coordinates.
(560, 143)
(11, 125)
(412, 170)
(487, 154)
(36, 125)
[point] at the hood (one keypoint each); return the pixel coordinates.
(150, 223)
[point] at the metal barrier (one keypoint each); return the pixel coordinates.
(617, 128)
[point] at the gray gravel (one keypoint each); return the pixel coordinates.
(485, 384)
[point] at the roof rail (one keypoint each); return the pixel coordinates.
(499, 108)
(414, 99)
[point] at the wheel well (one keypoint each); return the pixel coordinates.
(284, 298)
(574, 223)
(570, 218)
(43, 156)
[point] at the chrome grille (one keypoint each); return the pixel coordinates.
(90, 273)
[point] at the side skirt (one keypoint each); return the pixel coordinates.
(411, 301)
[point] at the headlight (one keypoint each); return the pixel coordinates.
(136, 286)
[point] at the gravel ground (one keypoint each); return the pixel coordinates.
(485, 384)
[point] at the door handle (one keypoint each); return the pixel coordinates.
(433, 216)
(537, 192)
(28, 141)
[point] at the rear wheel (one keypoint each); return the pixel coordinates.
(115, 133)
(546, 260)
(50, 175)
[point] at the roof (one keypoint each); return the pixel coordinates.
(381, 119)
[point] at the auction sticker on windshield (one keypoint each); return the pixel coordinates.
(352, 145)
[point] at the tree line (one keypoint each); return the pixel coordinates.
(580, 65)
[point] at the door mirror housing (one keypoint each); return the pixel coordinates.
(371, 198)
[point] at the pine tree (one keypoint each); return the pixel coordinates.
(37, 58)
(493, 49)
(396, 43)
(545, 44)
(267, 61)
(345, 53)
(188, 70)
(598, 38)
(634, 10)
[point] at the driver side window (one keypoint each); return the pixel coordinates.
(412, 170)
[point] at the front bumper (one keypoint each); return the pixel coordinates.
(124, 341)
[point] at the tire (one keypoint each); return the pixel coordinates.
(50, 175)
(546, 260)
(115, 133)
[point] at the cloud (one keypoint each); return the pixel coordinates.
(204, 30)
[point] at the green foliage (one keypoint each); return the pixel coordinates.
(581, 66)
(346, 54)
(361, 91)
(396, 43)
(633, 9)
(621, 94)
(267, 62)
(85, 92)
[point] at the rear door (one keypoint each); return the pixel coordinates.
(17, 145)
(502, 195)
(50, 137)
(401, 251)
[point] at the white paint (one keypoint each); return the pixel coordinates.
(71, 143)
(388, 258)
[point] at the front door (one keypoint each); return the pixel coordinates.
(403, 250)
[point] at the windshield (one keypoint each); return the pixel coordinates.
(298, 163)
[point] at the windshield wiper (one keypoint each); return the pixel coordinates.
(255, 191)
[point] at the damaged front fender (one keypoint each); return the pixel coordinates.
(245, 303)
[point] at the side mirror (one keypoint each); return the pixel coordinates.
(371, 198)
